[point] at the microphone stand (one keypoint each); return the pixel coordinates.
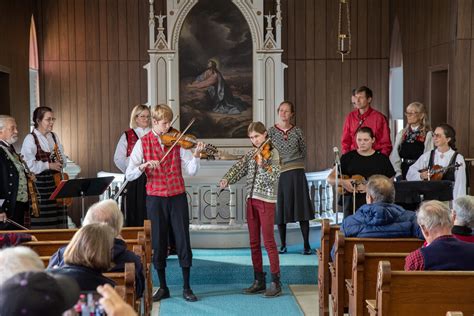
(337, 163)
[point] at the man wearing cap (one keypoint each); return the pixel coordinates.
(13, 181)
(38, 293)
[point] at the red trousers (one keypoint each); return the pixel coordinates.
(262, 214)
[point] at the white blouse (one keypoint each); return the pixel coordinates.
(443, 160)
(29, 150)
(189, 164)
(120, 157)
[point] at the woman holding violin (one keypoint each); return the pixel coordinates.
(412, 141)
(262, 168)
(442, 163)
(293, 202)
(140, 124)
(44, 156)
(166, 201)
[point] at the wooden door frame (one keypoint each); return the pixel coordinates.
(431, 70)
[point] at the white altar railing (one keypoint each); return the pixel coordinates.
(210, 206)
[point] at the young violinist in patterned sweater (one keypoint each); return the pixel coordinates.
(166, 201)
(262, 167)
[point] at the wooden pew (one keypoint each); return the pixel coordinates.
(66, 234)
(48, 248)
(127, 279)
(362, 284)
(454, 314)
(341, 268)
(421, 292)
(327, 240)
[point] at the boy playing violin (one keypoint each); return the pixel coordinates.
(262, 167)
(166, 201)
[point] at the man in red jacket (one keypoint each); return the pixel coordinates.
(365, 115)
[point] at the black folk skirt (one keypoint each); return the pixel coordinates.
(51, 214)
(135, 210)
(293, 203)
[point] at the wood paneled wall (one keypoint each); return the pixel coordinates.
(15, 17)
(440, 33)
(318, 82)
(92, 54)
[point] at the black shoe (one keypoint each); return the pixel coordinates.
(275, 287)
(258, 285)
(189, 296)
(307, 252)
(161, 294)
(283, 249)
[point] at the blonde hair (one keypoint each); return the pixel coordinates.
(106, 211)
(162, 111)
(137, 109)
(420, 108)
(91, 247)
(257, 127)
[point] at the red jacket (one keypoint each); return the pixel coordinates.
(373, 119)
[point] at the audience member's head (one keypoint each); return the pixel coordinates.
(106, 211)
(91, 247)
(37, 293)
(18, 259)
(464, 210)
(435, 220)
(380, 189)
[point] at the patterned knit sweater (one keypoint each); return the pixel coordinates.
(262, 181)
(290, 145)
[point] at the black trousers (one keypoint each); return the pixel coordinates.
(166, 212)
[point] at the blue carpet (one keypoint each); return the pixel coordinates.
(226, 266)
(226, 299)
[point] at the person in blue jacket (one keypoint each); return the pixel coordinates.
(380, 217)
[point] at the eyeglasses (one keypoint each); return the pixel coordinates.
(437, 135)
(144, 116)
(411, 113)
(51, 119)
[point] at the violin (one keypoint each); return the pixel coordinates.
(437, 172)
(263, 154)
(187, 141)
(59, 176)
(356, 180)
(32, 189)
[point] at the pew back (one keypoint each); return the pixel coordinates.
(341, 268)
(422, 292)
(362, 284)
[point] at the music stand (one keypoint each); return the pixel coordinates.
(81, 188)
(415, 192)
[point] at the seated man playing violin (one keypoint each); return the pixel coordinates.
(360, 164)
(445, 158)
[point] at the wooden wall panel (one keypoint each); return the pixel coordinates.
(325, 86)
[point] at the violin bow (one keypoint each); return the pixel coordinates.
(124, 184)
(257, 151)
(177, 140)
(16, 224)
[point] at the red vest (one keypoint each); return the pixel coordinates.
(132, 139)
(166, 180)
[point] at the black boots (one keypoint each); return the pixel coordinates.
(258, 285)
(275, 287)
